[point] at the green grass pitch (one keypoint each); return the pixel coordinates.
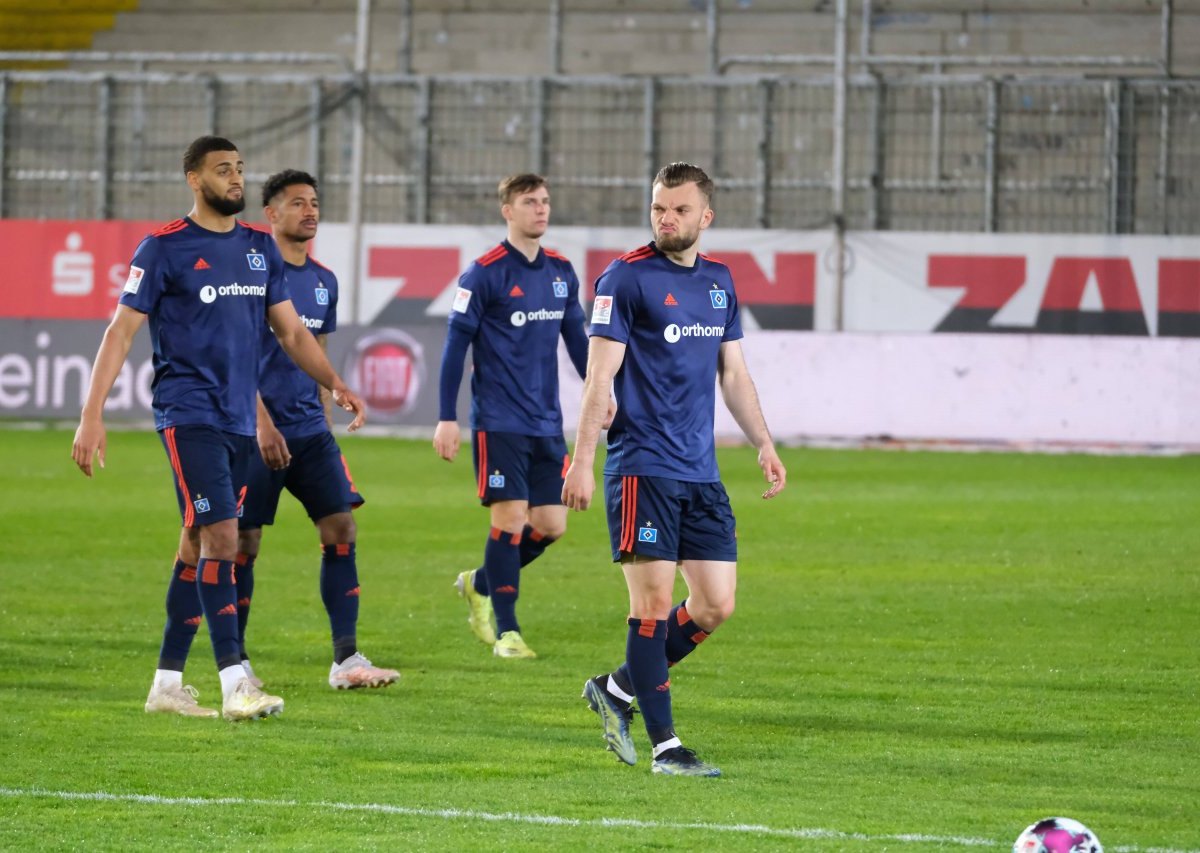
(930, 651)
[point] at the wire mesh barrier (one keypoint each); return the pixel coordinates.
(946, 153)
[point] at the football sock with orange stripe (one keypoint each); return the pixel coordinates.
(646, 659)
(245, 592)
(533, 545)
(502, 564)
(218, 596)
(339, 591)
(683, 634)
(184, 615)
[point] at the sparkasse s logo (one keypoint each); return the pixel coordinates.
(674, 332)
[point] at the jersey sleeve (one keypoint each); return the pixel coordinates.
(733, 317)
(331, 318)
(616, 302)
(573, 331)
(148, 275)
(277, 290)
(470, 299)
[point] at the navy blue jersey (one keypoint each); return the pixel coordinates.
(292, 396)
(207, 295)
(515, 310)
(673, 321)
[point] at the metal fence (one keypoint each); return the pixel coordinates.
(945, 153)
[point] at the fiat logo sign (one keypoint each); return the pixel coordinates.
(386, 369)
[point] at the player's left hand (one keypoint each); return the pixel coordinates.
(351, 402)
(578, 487)
(273, 447)
(773, 471)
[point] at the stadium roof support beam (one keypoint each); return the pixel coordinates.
(841, 67)
(555, 36)
(358, 167)
(1167, 33)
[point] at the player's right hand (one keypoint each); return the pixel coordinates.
(446, 439)
(90, 440)
(578, 487)
(273, 447)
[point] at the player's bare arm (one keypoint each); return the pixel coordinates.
(323, 392)
(741, 399)
(605, 357)
(300, 345)
(90, 438)
(271, 443)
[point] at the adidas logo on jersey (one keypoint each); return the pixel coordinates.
(670, 300)
(201, 264)
(516, 291)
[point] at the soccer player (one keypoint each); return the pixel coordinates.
(294, 438)
(665, 329)
(511, 306)
(206, 282)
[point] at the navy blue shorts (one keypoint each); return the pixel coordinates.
(210, 468)
(317, 476)
(512, 467)
(666, 519)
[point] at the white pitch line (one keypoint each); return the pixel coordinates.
(541, 820)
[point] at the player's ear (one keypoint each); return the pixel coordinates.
(706, 218)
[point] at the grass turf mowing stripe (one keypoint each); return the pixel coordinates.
(545, 820)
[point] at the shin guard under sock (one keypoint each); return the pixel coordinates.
(218, 596)
(184, 615)
(502, 563)
(646, 660)
(244, 572)
(340, 592)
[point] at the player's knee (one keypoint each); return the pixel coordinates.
(337, 529)
(219, 541)
(552, 529)
(709, 614)
(509, 516)
(249, 541)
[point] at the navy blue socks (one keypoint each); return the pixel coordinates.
(184, 615)
(502, 566)
(339, 591)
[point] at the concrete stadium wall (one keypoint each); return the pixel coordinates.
(649, 37)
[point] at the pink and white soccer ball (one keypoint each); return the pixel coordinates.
(1057, 835)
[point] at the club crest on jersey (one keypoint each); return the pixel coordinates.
(257, 261)
(647, 533)
(560, 289)
(322, 294)
(496, 481)
(602, 310)
(719, 300)
(201, 504)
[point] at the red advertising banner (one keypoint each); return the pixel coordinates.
(66, 270)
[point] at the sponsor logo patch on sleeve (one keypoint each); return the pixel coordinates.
(462, 298)
(135, 280)
(602, 311)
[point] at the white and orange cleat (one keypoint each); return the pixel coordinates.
(176, 699)
(356, 671)
(247, 702)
